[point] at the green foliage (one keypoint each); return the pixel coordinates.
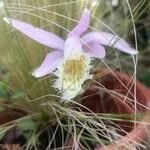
(4, 90)
(27, 126)
(2, 133)
(18, 95)
(7, 93)
(145, 77)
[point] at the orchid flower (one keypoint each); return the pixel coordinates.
(71, 59)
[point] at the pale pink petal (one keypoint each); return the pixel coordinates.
(95, 50)
(82, 25)
(49, 64)
(44, 37)
(72, 48)
(109, 39)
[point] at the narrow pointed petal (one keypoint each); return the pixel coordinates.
(96, 50)
(72, 48)
(109, 39)
(44, 37)
(82, 25)
(49, 64)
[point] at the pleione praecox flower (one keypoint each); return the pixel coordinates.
(72, 57)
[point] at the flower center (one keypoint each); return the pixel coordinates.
(73, 70)
(72, 73)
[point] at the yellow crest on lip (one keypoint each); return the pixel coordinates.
(73, 70)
